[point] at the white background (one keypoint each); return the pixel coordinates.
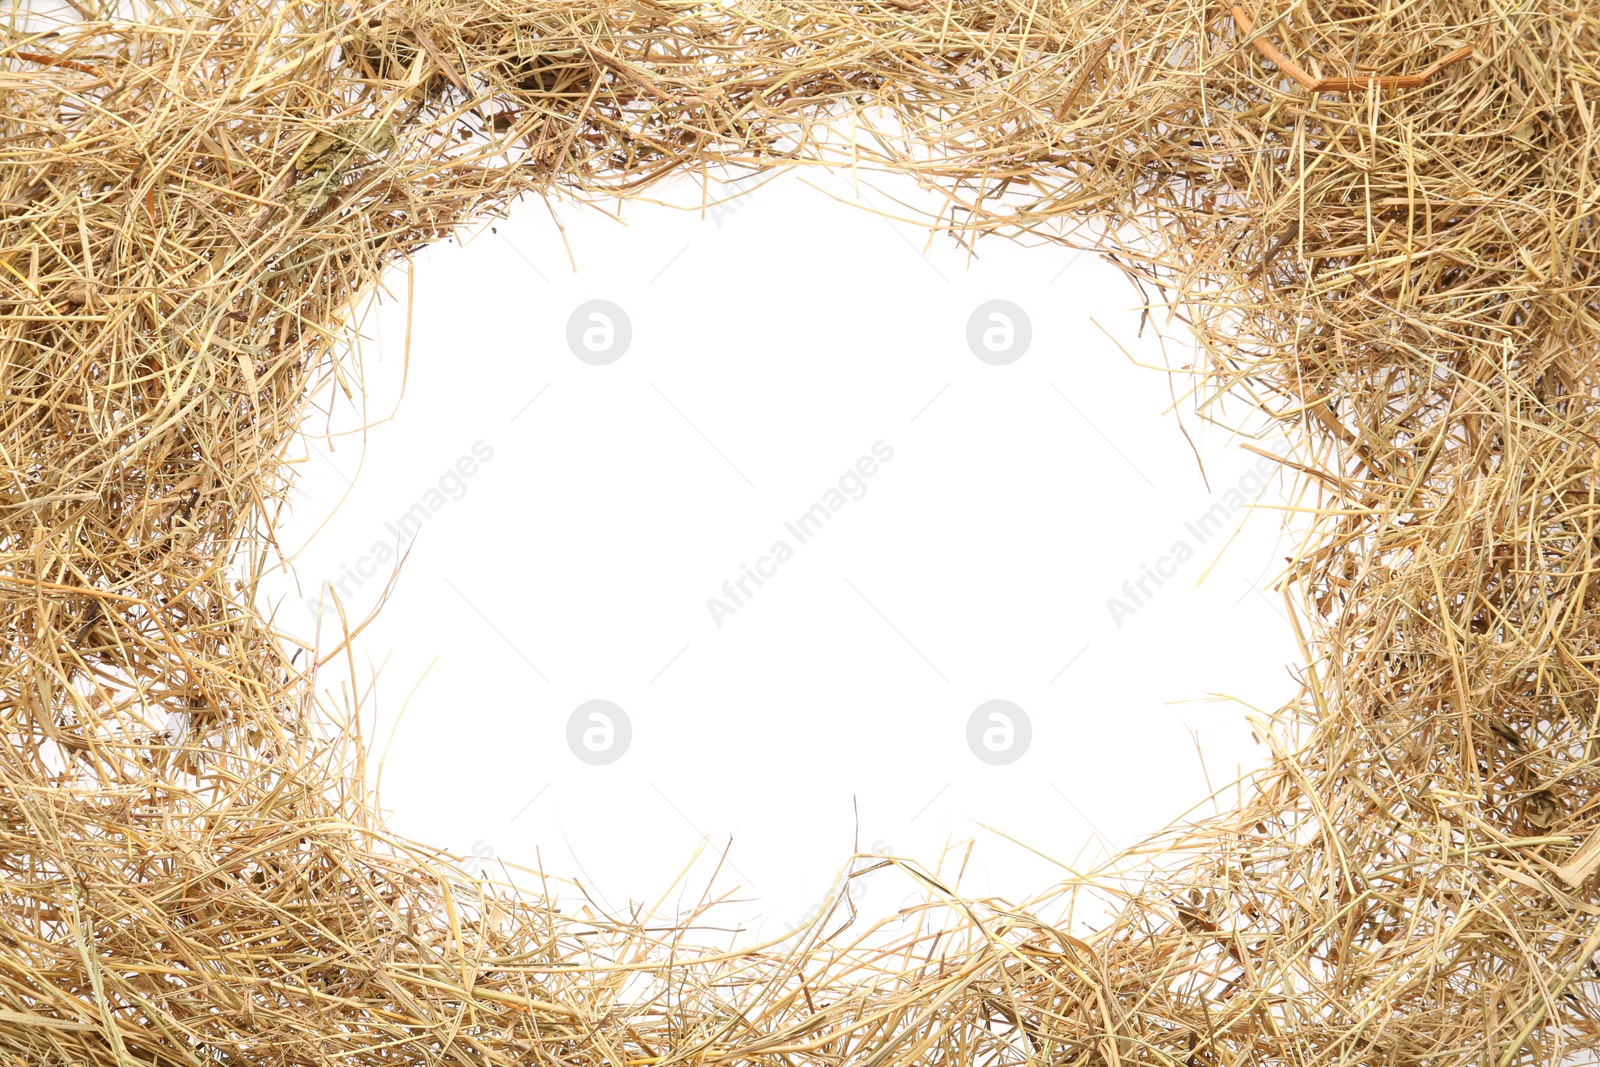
(775, 340)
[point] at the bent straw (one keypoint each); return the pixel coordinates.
(1338, 85)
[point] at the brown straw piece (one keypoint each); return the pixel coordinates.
(1342, 85)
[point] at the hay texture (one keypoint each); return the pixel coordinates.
(1380, 220)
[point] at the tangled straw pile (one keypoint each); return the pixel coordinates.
(1401, 271)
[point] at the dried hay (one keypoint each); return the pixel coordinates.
(1379, 219)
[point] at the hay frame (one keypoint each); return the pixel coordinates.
(1378, 219)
